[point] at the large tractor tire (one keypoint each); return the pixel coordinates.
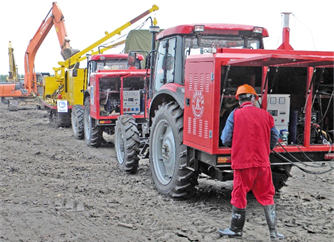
(93, 133)
(77, 119)
(168, 155)
(280, 176)
(127, 143)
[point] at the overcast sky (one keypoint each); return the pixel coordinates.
(312, 22)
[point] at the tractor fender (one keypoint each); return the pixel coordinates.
(168, 93)
(86, 94)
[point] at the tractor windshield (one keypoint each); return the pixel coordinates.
(112, 65)
(207, 44)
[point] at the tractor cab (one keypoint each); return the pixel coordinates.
(102, 62)
(186, 40)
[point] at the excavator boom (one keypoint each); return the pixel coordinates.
(53, 18)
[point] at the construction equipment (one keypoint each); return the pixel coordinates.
(64, 92)
(195, 72)
(113, 92)
(103, 63)
(12, 74)
(28, 92)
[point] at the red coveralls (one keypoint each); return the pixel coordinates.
(250, 155)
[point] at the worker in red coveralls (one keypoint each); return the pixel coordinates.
(251, 133)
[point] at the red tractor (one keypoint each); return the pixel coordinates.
(116, 103)
(104, 91)
(195, 72)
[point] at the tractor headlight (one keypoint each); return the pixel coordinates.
(257, 30)
(198, 28)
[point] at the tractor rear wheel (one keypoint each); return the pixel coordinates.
(168, 155)
(280, 176)
(127, 143)
(93, 133)
(77, 119)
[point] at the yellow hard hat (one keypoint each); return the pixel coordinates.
(246, 89)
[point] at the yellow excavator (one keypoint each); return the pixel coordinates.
(12, 79)
(12, 74)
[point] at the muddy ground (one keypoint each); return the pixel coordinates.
(55, 188)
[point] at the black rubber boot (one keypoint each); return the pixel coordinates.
(270, 213)
(237, 224)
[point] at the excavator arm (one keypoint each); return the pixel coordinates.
(53, 18)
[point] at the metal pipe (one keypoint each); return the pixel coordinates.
(286, 19)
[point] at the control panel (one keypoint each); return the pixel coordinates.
(279, 107)
(131, 102)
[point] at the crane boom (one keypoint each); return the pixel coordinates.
(75, 58)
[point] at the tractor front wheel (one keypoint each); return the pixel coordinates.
(93, 133)
(77, 119)
(127, 143)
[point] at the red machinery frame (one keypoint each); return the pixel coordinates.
(94, 88)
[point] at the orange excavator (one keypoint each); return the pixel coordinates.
(16, 93)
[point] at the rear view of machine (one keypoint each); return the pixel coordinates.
(197, 71)
(116, 103)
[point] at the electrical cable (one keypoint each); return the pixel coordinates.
(318, 85)
(303, 169)
(274, 80)
(308, 30)
(306, 156)
(329, 102)
(302, 162)
(299, 167)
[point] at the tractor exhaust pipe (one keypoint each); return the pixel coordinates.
(286, 32)
(154, 30)
(286, 19)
